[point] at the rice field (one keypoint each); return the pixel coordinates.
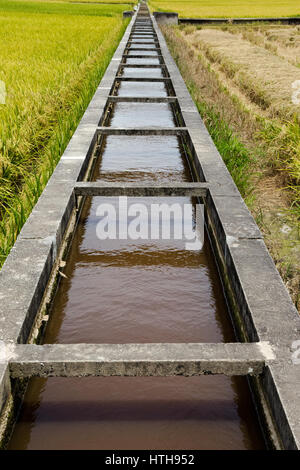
(52, 57)
(281, 40)
(63, 7)
(264, 76)
(228, 9)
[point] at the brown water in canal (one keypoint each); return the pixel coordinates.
(124, 291)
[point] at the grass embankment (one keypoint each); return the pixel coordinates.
(52, 59)
(228, 9)
(255, 126)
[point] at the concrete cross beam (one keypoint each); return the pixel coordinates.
(143, 79)
(143, 66)
(139, 33)
(131, 48)
(141, 99)
(139, 189)
(141, 56)
(142, 130)
(159, 360)
(138, 41)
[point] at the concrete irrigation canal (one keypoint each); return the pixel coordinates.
(131, 343)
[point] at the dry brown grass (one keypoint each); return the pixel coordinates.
(265, 77)
(280, 230)
(281, 40)
(209, 88)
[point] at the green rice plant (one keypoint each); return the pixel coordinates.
(52, 59)
(110, 8)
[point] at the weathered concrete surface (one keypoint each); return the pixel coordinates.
(140, 38)
(143, 48)
(166, 17)
(187, 359)
(142, 34)
(143, 66)
(141, 130)
(23, 279)
(142, 56)
(140, 189)
(143, 79)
